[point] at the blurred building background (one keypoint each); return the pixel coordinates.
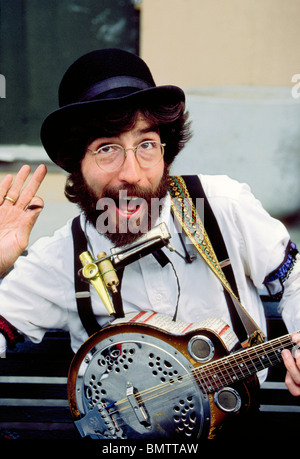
(237, 60)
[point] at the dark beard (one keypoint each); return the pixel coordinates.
(87, 201)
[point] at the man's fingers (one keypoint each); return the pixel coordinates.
(4, 186)
(37, 177)
(11, 192)
(32, 186)
(35, 203)
(291, 385)
(291, 364)
(14, 190)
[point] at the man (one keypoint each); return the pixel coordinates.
(117, 134)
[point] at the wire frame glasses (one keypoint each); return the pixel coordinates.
(111, 157)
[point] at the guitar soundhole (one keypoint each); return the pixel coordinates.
(185, 416)
(113, 360)
(201, 348)
(228, 400)
(163, 369)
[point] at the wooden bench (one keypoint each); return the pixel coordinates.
(279, 409)
(33, 390)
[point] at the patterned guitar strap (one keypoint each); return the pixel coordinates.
(185, 212)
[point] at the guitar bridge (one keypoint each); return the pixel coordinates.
(138, 407)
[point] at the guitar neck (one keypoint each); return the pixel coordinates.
(211, 377)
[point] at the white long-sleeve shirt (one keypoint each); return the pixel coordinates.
(39, 293)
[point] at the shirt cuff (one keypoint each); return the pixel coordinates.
(275, 280)
(2, 344)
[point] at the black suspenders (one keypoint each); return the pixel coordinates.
(195, 189)
(82, 289)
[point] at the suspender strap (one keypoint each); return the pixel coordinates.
(185, 212)
(82, 289)
(117, 297)
(196, 190)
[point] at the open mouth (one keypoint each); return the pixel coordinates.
(129, 206)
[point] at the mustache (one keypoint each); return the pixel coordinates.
(117, 193)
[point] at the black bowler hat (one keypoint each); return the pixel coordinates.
(100, 80)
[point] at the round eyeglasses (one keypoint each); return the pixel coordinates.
(111, 157)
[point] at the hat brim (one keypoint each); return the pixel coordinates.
(55, 129)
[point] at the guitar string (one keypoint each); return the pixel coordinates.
(204, 370)
(162, 390)
(154, 392)
(239, 360)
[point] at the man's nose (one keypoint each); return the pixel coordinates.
(130, 172)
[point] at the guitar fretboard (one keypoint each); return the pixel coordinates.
(211, 377)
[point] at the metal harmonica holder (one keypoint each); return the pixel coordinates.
(101, 272)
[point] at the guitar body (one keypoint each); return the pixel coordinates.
(133, 380)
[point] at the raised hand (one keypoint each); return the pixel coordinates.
(292, 364)
(19, 209)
